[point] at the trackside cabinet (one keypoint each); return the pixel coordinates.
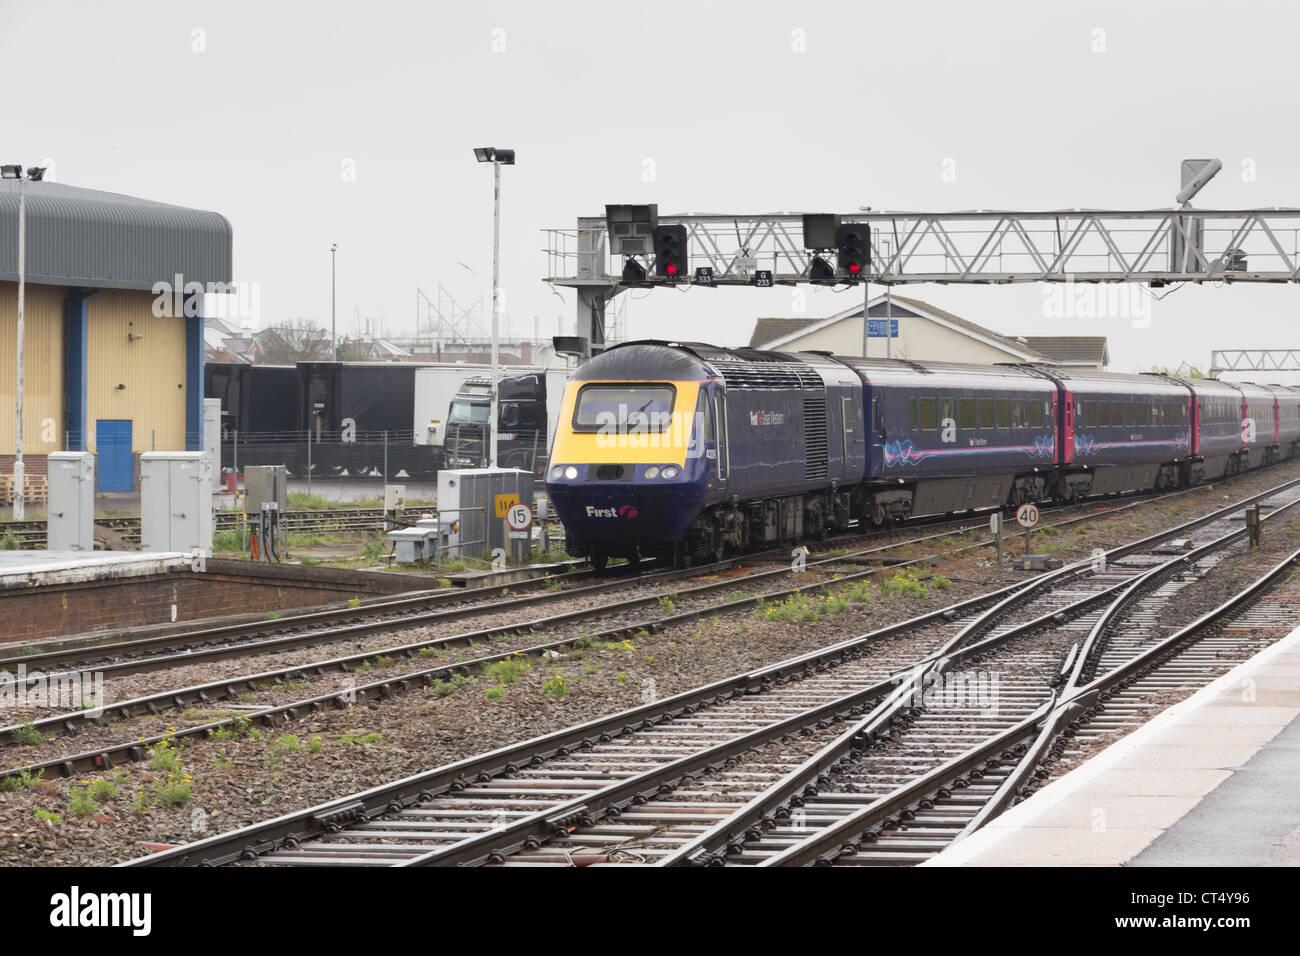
(472, 508)
(71, 523)
(176, 501)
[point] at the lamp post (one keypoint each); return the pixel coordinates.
(35, 174)
(334, 342)
(498, 158)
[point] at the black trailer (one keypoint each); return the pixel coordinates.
(360, 418)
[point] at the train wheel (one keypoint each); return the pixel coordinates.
(599, 560)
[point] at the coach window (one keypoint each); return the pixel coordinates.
(985, 408)
(967, 413)
(1117, 413)
(1103, 414)
(1130, 415)
(1019, 413)
(1036, 415)
(929, 417)
(1090, 414)
(1004, 412)
(1144, 414)
(947, 411)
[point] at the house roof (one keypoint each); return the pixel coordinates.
(1072, 349)
(769, 334)
(769, 330)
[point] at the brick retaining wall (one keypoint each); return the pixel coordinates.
(227, 587)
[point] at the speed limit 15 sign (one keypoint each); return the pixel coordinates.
(519, 517)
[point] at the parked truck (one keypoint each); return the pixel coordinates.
(529, 405)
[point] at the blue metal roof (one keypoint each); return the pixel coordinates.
(85, 237)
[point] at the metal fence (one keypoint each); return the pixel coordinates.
(387, 455)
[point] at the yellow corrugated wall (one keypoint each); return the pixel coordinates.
(151, 367)
(43, 368)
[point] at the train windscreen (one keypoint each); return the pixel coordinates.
(624, 406)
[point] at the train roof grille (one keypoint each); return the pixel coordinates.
(766, 374)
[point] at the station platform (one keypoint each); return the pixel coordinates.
(37, 568)
(1212, 781)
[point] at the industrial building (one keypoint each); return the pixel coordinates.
(113, 325)
(922, 332)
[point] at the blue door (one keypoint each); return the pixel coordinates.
(115, 464)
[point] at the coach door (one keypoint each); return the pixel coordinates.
(722, 451)
(875, 428)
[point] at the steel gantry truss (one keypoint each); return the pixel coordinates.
(1254, 360)
(1156, 246)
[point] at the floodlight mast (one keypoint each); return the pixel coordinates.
(34, 174)
(498, 158)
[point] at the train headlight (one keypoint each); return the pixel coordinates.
(571, 472)
(672, 471)
(556, 472)
(652, 471)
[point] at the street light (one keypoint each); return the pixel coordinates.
(498, 158)
(35, 174)
(334, 342)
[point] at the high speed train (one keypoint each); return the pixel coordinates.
(685, 451)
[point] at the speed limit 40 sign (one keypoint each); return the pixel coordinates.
(1027, 515)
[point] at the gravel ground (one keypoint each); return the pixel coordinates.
(266, 775)
(237, 781)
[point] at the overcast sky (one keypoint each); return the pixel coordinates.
(263, 111)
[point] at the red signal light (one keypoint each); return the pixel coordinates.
(671, 269)
(854, 268)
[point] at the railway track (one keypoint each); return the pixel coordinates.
(831, 742)
(226, 641)
(231, 641)
(915, 821)
(122, 750)
(1000, 673)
